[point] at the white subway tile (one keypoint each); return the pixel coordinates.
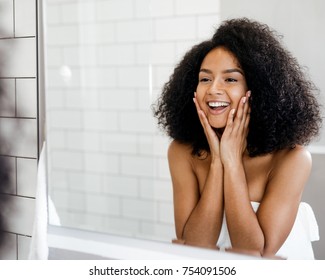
(19, 213)
(120, 186)
(142, 8)
(85, 182)
(121, 226)
(53, 56)
(67, 160)
(98, 77)
(70, 12)
(83, 140)
(139, 209)
(77, 201)
(178, 29)
(105, 32)
(26, 177)
(26, 95)
(163, 168)
(207, 25)
(84, 99)
(114, 10)
(8, 175)
(161, 75)
(56, 139)
(82, 55)
(54, 98)
(166, 212)
(157, 190)
(24, 243)
(155, 53)
(100, 121)
(20, 57)
(25, 18)
(8, 246)
(6, 18)
(135, 31)
(101, 163)
(138, 166)
(104, 205)
(194, 7)
(53, 13)
(153, 145)
(118, 99)
(162, 8)
(7, 98)
(122, 143)
(140, 122)
(58, 179)
(144, 99)
(19, 137)
(118, 54)
(63, 35)
(66, 119)
(133, 77)
(60, 198)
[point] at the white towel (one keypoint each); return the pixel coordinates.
(38, 247)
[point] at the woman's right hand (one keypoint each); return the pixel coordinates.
(210, 134)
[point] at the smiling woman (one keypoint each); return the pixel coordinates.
(233, 149)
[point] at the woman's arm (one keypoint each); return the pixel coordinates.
(198, 217)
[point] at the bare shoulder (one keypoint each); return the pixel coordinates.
(178, 150)
(298, 156)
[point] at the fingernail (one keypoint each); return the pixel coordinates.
(233, 111)
(244, 99)
(249, 93)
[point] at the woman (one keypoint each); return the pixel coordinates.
(237, 160)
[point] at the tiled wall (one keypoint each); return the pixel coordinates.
(18, 124)
(107, 62)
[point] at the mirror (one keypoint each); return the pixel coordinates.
(106, 62)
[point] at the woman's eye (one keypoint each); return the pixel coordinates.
(203, 80)
(231, 80)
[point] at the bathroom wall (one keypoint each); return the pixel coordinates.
(106, 62)
(18, 125)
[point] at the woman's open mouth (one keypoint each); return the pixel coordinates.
(218, 107)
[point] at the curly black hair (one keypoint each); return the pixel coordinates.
(284, 108)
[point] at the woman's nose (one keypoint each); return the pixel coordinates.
(216, 88)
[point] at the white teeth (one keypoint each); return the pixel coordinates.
(218, 104)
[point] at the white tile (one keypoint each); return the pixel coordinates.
(118, 99)
(53, 56)
(121, 226)
(162, 8)
(25, 18)
(157, 190)
(19, 137)
(63, 35)
(142, 8)
(76, 201)
(101, 163)
(183, 28)
(83, 140)
(23, 247)
(135, 31)
(20, 57)
(65, 119)
(20, 214)
(163, 168)
(122, 143)
(85, 182)
(207, 25)
(8, 246)
(100, 121)
(120, 186)
(193, 7)
(97, 203)
(155, 53)
(81, 99)
(114, 10)
(137, 122)
(117, 54)
(70, 12)
(26, 92)
(138, 166)
(26, 177)
(6, 19)
(166, 212)
(53, 13)
(8, 175)
(139, 209)
(67, 160)
(7, 98)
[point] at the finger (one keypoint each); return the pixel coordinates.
(230, 121)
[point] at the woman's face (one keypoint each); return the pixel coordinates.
(221, 86)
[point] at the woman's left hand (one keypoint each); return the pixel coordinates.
(234, 138)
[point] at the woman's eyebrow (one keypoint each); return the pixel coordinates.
(232, 70)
